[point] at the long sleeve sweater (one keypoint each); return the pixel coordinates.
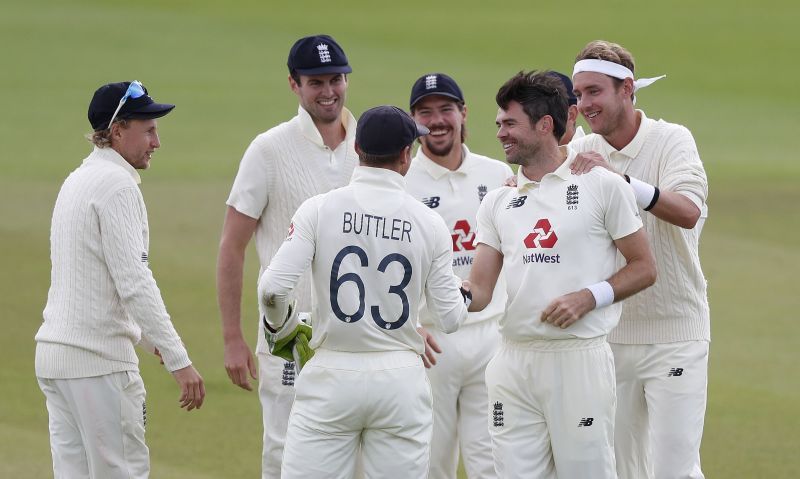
(103, 298)
(676, 307)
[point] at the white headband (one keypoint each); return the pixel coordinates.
(613, 70)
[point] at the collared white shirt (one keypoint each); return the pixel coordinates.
(557, 236)
(374, 251)
(456, 195)
(281, 168)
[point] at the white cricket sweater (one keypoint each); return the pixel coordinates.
(282, 168)
(676, 307)
(103, 298)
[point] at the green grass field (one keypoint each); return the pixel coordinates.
(731, 81)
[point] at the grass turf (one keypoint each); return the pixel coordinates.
(223, 64)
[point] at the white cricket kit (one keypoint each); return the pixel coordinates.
(374, 251)
(102, 301)
(661, 344)
(458, 379)
(280, 169)
(551, 390)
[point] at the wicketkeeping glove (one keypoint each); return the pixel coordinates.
(290, 341)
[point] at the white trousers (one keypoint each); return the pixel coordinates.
(276, 378)
(97, 426)
(379, 401)
(460, 398)
(551, 409)
(661, 394)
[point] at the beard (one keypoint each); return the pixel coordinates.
(435, 150)
(524, 155)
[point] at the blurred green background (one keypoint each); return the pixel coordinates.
(731, 80)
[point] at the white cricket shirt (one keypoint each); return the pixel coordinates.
(374, 251)
(675, 308)
(556, 237)
(456, 196)
(282, 168)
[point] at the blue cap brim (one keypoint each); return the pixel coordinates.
(324, 70)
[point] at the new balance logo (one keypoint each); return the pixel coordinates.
(497, 414)
(675, 372)
(431, 202)
(324, 54)
(543, 235)
(517, 202)
(463, 237)
(288, 374)
(586, 421)
(430, 82)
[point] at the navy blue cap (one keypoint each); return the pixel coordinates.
(107, 97)
(571, 98)
(386, 130)
(317, 55)
(435, 84)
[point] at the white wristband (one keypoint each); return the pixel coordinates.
(603, 294)
(645, 193)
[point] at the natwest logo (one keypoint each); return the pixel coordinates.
(463, 237)
(543, 235)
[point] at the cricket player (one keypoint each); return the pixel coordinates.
(310, 154)
(452, 181)
(103, 299)
(555, 236)
(661, 344)
(374, 251)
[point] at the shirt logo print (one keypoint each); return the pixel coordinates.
(543, 235)
(585, 422)
(572, 196)
(463, 237)
(431, 202)
(324, 54)
(482, 190)
(430, 82)
(497, 415)
(517, 202)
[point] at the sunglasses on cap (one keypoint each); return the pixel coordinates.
(135, 90)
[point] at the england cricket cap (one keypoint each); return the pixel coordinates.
(386, 130)
(107, 98)
(317, 55)
(435, 84)
(571, 98)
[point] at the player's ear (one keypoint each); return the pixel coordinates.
(572, 114)
(545, 124)
(293, 84)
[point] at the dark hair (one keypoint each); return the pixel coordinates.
(610, 52)
(540, 93)
(379, 160)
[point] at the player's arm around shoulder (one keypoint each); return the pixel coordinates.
(682, 183)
